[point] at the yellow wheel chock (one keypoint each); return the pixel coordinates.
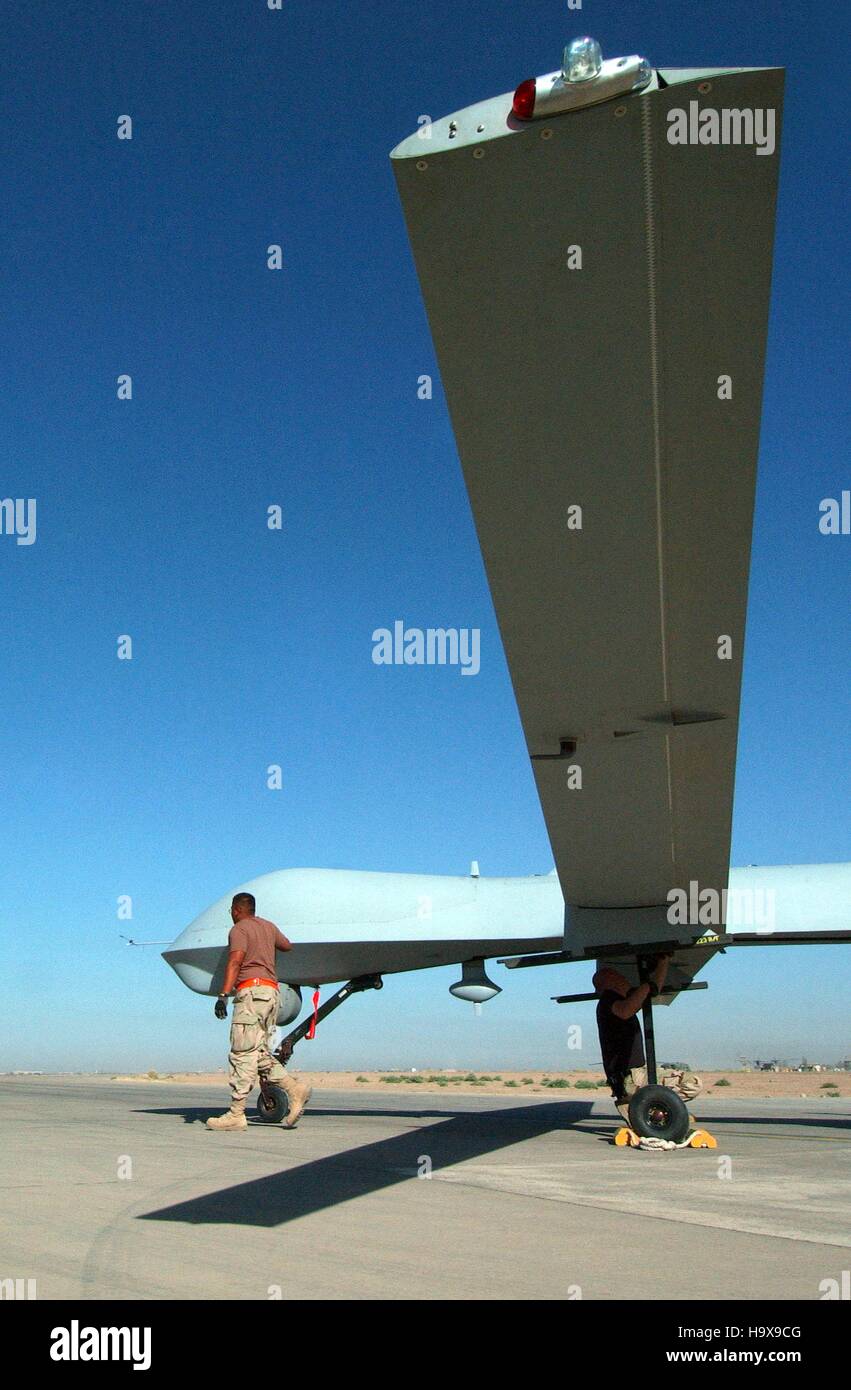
(627, 1137)
(698, 1139)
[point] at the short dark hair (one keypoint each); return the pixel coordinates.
(244, 900)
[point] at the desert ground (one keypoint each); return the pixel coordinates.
(744, 1085)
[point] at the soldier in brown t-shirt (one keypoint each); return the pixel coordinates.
(252, 974)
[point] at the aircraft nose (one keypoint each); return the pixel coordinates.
(197, 955)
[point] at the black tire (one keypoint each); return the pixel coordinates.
(657, 1112)
(273, 1105)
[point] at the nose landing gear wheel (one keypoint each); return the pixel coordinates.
(273, 1105)
(657, 1112)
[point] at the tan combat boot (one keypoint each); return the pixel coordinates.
(299, 1094)
(232, 1119)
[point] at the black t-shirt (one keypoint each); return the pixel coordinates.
(621, 1042)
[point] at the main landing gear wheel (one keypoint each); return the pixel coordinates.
(657, 1112)
(273, 1105)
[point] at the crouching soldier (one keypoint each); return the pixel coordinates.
(621, 1043)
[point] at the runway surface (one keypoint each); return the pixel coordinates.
(118, 1191)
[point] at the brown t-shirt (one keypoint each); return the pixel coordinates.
(258, 939)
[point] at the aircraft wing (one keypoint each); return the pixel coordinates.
(607, 419)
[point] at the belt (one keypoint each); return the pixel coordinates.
(252, 984)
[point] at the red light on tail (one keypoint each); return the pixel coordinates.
(524, 99)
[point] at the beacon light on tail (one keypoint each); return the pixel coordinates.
(583, 80)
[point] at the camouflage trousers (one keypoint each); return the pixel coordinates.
(684, 1083)
(252, 1032)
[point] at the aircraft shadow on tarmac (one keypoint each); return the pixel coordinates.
(316, 1186)
(325, 1182)
(199, 1114)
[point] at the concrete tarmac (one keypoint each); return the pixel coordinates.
(118, 1191)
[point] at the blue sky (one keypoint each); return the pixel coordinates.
(298, 388)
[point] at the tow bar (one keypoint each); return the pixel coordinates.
(273, 1102)
(284, 1051)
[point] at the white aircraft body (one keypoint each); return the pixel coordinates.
(345, 923)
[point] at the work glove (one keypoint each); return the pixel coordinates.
(221, 1007)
